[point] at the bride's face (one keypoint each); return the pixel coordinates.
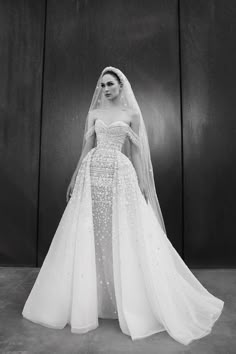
(110, 86)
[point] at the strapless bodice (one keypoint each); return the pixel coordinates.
(111, 136)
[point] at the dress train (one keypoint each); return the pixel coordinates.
(154, 289)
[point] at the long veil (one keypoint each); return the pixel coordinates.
(128, 101)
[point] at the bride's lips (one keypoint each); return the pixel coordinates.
(107, 94)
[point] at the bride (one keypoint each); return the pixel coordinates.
(110, 256)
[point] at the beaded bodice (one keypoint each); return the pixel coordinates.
(112, 136)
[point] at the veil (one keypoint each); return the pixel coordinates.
(128, 101)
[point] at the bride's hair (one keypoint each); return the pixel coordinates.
(115, 75)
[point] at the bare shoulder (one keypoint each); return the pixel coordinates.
(134, 118)
(92, 113)
(132, 113)
(91, 117)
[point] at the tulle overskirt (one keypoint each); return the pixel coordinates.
(154, 289)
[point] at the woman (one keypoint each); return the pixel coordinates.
(110, 256)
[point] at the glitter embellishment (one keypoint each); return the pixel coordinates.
(105, 157)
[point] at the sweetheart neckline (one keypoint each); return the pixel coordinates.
(109, 125)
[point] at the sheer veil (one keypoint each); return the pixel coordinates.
(128, 101)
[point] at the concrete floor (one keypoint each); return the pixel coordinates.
(18, 335)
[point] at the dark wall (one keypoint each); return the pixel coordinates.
(208, 54)
(21, 54)
(179, 57)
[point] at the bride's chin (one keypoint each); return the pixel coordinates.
(111, 98)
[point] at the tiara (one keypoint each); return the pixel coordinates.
(115, 70)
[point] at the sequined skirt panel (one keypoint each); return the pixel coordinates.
(102, 168)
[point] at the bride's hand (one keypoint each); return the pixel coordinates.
(70, 188)
(143, 190)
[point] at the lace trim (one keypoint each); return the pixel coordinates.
(90, 132)
(133, 137)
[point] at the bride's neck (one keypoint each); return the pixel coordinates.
(114, 104)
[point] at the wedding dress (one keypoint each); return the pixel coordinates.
(110, 258)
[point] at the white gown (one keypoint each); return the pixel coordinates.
(110, 258)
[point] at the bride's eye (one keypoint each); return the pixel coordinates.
(102, 85)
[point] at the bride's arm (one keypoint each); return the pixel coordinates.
(134, 148)
(89, 144)
(87, 147)
(135, 121)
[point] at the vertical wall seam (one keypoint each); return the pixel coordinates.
(40, 131)
(181, 123)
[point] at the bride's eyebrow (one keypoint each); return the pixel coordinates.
(108, 82)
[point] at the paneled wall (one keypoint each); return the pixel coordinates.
(179, 57)
(208, 56)
(21, 65)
